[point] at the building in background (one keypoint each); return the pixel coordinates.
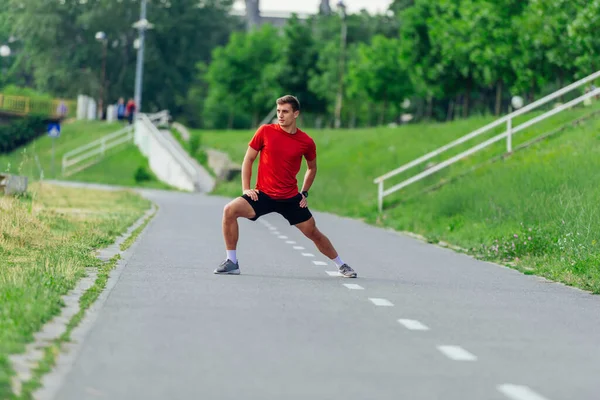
(256, 17)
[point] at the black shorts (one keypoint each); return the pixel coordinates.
(288, 208)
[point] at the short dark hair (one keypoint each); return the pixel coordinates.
(289, 99)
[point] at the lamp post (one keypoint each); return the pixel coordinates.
(101, 37)
(4, 52)
(340, 94)
(142, 25)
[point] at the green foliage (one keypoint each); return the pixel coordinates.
(20, 132)
(194, 145)
(242, 75)
(142, 174)
(377, 71)
(454, 58)
(58, 52)
(297, 63)
(13, 90)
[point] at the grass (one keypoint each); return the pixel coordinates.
(52, 351)
(124, 166)
(48, 238)
(534, 211)
(134, 235)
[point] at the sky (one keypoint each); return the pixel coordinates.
(311, 6)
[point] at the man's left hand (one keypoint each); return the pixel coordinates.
(303, 202)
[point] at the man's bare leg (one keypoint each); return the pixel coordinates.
(310, 230)
(238, 208)
(233, 210)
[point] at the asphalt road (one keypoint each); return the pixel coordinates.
(423, 322)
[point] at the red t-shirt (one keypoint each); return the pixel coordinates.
(280, 159)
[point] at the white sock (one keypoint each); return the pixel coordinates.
(338, 261)
(231, 256)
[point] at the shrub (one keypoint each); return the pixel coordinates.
(194, 144)
(142, 174)
(20, 132)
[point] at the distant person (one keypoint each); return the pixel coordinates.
(130, 110)
(282, 147)
(62, 109)
(121, 109)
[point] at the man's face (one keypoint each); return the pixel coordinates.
(286, 115)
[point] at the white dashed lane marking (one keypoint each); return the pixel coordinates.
(381, 302)
(308, 254)
(290, 242)
(319, 263)
(456, 353)
(353, 286)
(413, 325)
(333, 273)
(283, 237)
(298, 248)
(517, 392)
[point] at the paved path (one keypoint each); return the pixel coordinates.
(420, 322)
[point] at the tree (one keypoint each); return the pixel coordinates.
(297, 63)
(547, 49)
(242, 76)
(378, 71)
(493, 36)
(583, 31)
(422, 57)
(60, 48)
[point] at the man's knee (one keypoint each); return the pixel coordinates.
(237, 209)
(231, 211)
(310, 231)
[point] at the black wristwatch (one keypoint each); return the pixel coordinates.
(305, 193)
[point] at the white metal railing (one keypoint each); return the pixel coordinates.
(182, 159)
(91, 153)
(507, 134)
(269, 117)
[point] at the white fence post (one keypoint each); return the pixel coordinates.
(380, 196)
(509, 135)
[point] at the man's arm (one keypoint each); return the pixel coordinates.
(309, 176)
(247, 168)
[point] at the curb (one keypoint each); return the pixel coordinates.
(25, 363)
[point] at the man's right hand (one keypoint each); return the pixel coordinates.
(252, 193)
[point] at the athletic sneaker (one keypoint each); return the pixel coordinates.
(228, 267)
(347, 272)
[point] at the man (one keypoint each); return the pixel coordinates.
(282, 147)
(130, 110)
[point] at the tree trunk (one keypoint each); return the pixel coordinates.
(230, 120)
(429, 108)
(450, 110)
(353, 118)
(467, 98)
(420, 106)
(498, 97)
(560, 84)
(383, 110)
(319, 121)
(532, 91)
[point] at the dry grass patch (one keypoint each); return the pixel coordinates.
(47, 239)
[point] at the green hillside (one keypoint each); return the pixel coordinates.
(541, 200)
(119, 167)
